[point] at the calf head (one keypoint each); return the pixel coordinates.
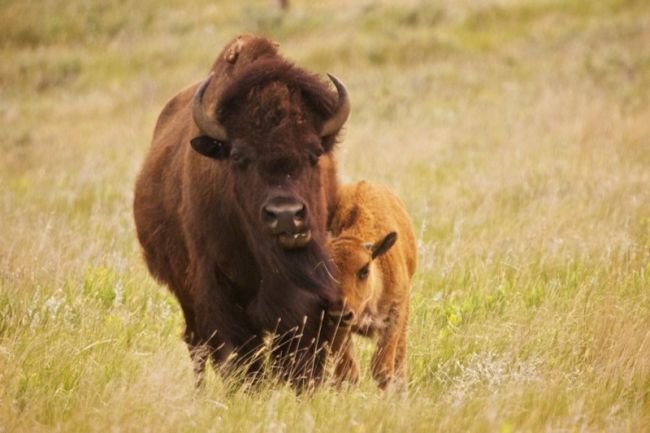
(358, 274)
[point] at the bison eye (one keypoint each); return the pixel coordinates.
(314, 156)
(239, 160)
(362, 273)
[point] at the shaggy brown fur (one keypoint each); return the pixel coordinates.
(374, 249)
(198, 216)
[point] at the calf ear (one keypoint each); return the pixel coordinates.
(210, 147)
(383, 245)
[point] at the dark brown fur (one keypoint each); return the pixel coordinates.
(198, 218)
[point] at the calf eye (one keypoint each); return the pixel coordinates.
(362, 273)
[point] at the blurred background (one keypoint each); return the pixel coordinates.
(517, 132)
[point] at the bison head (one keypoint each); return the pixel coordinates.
(275, 126)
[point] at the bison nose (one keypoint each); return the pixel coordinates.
(283, 216)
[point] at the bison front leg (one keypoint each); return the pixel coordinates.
(300, 332)
(199, 353)
(222, 328)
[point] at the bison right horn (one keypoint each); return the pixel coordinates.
(208, 126)
(342, 111)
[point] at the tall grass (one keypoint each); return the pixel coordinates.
(516, 132)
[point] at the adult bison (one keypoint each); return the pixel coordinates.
(231, 208)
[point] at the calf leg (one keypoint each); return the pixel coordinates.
(401, 370)
(383, 361)
(345, 366)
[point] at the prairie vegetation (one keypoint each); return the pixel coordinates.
(517, 132)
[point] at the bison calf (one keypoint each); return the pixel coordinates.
(374, 248)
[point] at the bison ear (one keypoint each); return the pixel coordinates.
(210, 147)
(380, 247)
(328, 143)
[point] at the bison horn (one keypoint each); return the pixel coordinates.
(342, 112)
(208, 126)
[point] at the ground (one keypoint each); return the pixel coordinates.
(517, 132)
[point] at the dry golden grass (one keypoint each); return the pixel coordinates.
(516, 131)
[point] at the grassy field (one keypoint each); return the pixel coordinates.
(516, 131)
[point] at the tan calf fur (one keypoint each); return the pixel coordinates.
(373, 246)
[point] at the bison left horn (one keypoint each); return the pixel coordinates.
(208, 126)
(342, 111)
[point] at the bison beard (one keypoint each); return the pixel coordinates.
(287, 304)
(211, 178)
